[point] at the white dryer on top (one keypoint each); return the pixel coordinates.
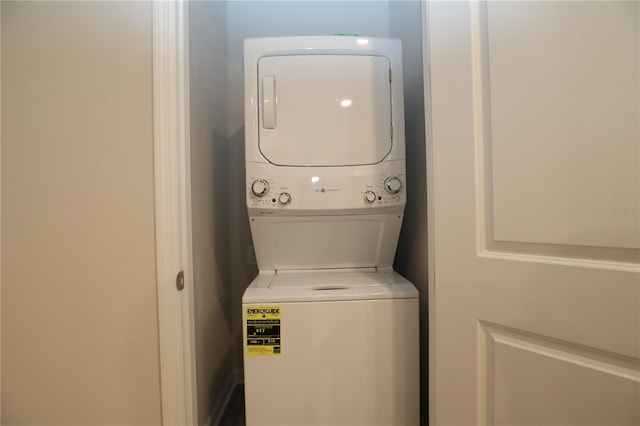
(324, 138)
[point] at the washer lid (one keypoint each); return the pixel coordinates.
(324, 110)
(327, 286)
(328, 280)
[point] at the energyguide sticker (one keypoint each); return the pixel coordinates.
(263, 330)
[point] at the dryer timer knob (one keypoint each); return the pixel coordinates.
(392, 185)
(260, 187)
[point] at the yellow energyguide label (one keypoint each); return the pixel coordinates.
(263, 330)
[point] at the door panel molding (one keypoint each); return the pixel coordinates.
(493, 337)
(590, 256)
(586, 257)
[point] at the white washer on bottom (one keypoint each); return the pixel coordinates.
(331, 348)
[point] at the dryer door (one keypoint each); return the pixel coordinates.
(324, 110)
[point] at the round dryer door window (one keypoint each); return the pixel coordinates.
(324, 110)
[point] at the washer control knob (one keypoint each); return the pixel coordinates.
(260, 187)
(369, 196)
(392, 185)
(284, 198)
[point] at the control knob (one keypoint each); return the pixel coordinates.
(284, 198)
(392, 185)
(369, 196)
(260, 187)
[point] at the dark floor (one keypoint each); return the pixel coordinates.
(234, 415)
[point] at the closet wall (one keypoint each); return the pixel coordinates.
(209, 200)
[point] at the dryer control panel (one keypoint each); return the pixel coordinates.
(325, 191)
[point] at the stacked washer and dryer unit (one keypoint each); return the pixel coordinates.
(330, 331)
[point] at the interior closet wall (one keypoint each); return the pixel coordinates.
(209, 200)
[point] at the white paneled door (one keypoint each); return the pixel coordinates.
(535, 204)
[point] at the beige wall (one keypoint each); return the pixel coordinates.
(79, 317)
(210, 200)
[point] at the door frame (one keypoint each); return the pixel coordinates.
(431, 284)
(172, 181)
(0, 223)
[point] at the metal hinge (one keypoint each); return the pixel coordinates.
(180, 281)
